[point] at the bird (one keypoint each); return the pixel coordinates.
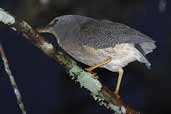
(100, 43)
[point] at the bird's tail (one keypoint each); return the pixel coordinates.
(148, 64)
(148, 47)
(144, 60)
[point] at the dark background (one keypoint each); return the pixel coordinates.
(44, 85)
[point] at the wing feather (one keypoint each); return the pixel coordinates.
(104, 34)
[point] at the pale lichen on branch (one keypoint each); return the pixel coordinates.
(99, 92)
(6, 18)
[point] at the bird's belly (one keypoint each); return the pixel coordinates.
(121, 55)
(119, 62)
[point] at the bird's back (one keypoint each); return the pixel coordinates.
(104, 34)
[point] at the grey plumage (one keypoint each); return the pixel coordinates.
(87, 40)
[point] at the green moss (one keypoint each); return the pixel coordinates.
(75, 71)
(86, 80)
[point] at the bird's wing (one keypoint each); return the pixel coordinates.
(104, 34)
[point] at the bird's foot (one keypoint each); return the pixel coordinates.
(116, 93)
(90, 71)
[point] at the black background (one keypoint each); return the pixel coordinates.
(47, 89)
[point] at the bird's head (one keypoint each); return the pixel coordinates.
(63, 26)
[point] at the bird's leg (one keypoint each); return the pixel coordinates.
(121, 71)
(97, 66)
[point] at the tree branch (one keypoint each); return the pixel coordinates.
(100, 92)
(12, 81)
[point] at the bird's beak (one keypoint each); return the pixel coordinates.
(45, 29)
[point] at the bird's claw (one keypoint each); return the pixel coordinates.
(90, 71)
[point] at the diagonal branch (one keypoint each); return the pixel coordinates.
(12, 80)
(100, 92)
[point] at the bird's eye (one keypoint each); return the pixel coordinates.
(56, 20)
(52, 23)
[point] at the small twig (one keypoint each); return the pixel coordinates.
(100, 92)
(12, 81)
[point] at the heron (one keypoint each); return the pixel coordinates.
(100, 43)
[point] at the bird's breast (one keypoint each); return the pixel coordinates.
(121, 54)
